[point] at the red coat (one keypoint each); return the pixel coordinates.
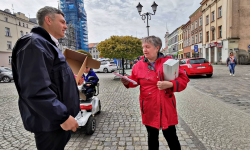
(158, 107)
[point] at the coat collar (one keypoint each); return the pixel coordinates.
(42, 32)
(159, 55)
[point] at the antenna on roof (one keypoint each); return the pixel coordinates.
(166, 27)
(12, 8)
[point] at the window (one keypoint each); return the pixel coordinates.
(212, 19)
(7, 32)
(213, 34)
(192, 27)
(200, 36)
(207, 36)
(9, 45)
(96, 56)
(196, 38)
(200, 21)
(6, 19)
(19, 23)
(10, 59)
(27, 25)
(21, 33)
(195, 24)
(192, 39)
(23, 24)
(26, 32)
(207, 19)
(90, 52)
(219, 12)
(220, 31)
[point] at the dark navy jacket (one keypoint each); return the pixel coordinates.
(91, 73)
(46, 85)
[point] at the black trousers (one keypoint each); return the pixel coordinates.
(169, 134)
(54, 140)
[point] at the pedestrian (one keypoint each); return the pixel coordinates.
(231, 62)
(47, 89)
(88, 72)
(157, 100)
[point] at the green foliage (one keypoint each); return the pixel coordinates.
(126, 47)
(84, 52)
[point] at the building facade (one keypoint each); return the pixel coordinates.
(180, 43)
(196, 32)
(93, 50)
(186, 29)
(76, 15)
(13, 26)
(173, 43)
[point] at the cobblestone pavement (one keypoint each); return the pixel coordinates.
(232, 90)
(118, 126)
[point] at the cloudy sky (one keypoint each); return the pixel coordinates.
(119, 17)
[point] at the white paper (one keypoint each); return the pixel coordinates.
(171, 69)
(134, 82)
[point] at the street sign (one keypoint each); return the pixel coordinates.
(196, 48)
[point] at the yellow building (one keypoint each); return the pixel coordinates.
(12, 27)
(225, 29)
(180, 43)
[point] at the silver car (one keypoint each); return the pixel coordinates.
(6, 74)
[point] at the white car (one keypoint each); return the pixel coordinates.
(106, 66)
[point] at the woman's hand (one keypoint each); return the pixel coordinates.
(162, 85)
(124, 81)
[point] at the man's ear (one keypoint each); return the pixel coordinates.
(47, 20)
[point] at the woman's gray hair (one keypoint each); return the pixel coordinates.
(47, 11)
(156, 41)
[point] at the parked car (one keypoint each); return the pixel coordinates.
(6, 74)
(197, 66)
(106, 66)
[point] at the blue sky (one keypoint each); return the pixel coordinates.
(119, 17)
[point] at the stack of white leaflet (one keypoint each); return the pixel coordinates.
(171, 69)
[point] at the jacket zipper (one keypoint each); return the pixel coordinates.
(173, 103)
(142, 107)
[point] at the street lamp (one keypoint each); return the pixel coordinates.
(146, 15)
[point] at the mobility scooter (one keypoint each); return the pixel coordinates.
(90, 106)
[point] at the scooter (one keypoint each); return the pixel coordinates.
(89, 107)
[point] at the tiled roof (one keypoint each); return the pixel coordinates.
(92, 45)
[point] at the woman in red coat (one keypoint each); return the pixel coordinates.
(157, 100)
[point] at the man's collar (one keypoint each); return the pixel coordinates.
(54, 39)
(42, 32)
(159, 55)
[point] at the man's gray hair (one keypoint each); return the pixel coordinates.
(47, 11)
(156, 41)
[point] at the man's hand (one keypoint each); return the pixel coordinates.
(162, 85)
(70, 124)
(124, 81)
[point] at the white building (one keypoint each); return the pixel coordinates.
(12, 27)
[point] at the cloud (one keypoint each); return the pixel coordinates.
(120, 17)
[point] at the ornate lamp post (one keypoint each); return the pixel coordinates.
(146, 15)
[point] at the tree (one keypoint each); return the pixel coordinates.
(120, 47)
(84, 52)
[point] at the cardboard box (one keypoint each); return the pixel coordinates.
(78, 63)
(171, 69)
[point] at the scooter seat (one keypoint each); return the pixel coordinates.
(86, 101)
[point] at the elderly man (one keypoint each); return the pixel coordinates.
(48, 94)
